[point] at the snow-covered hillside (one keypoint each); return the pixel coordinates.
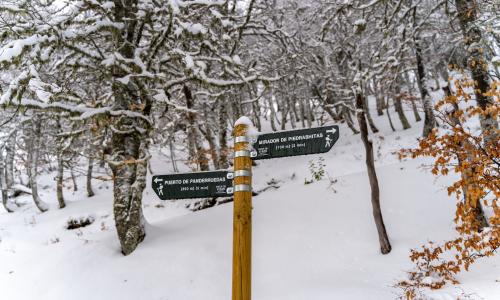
(104, 105)
(310, 241)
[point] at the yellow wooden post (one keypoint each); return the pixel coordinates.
(242, 215)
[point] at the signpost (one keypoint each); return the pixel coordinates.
(193, 185)
(295, 142)
(239, 184)
(242, 215)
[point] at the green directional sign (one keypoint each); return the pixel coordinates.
(295, 142)
(193, 185)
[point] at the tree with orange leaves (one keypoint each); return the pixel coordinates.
(475, 156)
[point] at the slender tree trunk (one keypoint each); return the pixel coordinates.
(325, 102)
(373, 128)
(411, 89)
(197, 152)
(33, 153)
(399, 109)
(209, 136)
(236, 110)
(291, 105)
(90, 168)
(305, 113)
(398, 105)
(73, 179)
(201, 153)
(60, 167)
(172, 155)
(385, 245)
(191, 131)
(294, 108)
(102, 144)
(389, 115)
(430, 120)
(272, 117)
(380, 105)
(10, 151)
(59, 180)
(256, 113)
(347, 117)
(329, 111)
(435, 77)
(223, 161)
(3, 185)
(284, 114)
(302, 113)
(415, 110)
(310, 114)
(379, 99)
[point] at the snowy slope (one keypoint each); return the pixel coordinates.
(309, 241)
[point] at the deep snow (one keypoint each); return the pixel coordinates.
(309, 241)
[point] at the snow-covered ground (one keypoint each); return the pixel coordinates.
(310, 241)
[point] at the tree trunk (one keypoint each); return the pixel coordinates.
(59, 180)
(236, 110)
(310, 114)
(256, 113)
(3, 185)
(430, 120)
(129, 167)
(389, 115)
(302, 113)
(60, 167)
(467, 15)
(196, 150)
(73, 178)
(411, 90)
(379, 99)
(172, 155)
(385, 245)
(305, 113)
(466, 174)
(33, 153)
(209, 136)
(380, 105)
(326, 103)
(291, 108)
(294, 108)
(10, 151)
(223, 149)
(347, 117)
(373, 128)
(399, 108)
(90, 167)
(272, 116)
(284, 114)
(415, 110)
(129, 141)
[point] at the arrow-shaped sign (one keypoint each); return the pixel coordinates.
(295, 142)
(193, 185)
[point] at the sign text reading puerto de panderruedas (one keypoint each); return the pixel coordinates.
(194, 180)
(193, 185)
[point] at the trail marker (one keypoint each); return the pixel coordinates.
(193, 185)
(239, 183)
(295, 142)
(242, 215)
